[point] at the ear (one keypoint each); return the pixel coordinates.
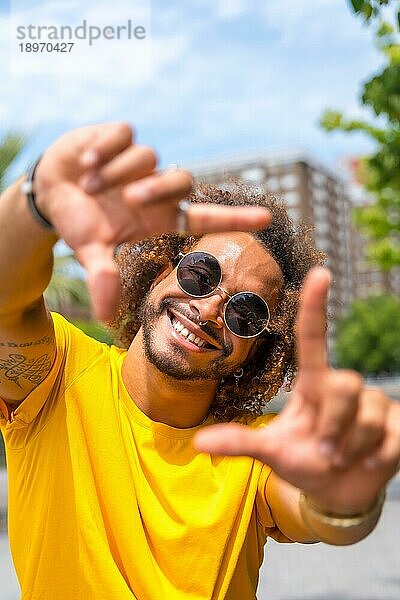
(162, 275)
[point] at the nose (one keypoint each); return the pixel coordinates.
(210, 308)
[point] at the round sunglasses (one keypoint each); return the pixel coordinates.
(199, 274)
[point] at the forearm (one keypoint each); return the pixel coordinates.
(340, 529)
(25, 255)
(283, 501)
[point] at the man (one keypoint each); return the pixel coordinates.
(109, 496)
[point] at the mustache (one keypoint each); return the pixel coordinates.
(208, 329)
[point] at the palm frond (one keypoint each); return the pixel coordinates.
(10, 147)
(66, 288)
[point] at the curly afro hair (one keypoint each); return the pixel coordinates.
(274, 362)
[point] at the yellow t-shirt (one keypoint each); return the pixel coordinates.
(106, 504)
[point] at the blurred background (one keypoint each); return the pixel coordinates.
(301, 99)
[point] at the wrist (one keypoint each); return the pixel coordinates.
(339, 528)
(35, 190)
(347, 509)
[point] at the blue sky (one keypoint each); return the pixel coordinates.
(226, 77)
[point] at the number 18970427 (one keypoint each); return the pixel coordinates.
(46, 47)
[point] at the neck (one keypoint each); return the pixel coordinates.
(162, 398)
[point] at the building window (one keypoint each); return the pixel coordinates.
(273, 184)
(320, 196)
(319, 179)
(253, 175)
(291, 198)
(289, 181)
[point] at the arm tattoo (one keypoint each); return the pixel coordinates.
(18, 366)
(44, 340)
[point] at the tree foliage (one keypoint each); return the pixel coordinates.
(95, 330)
(10, 146)
(380, 173)
(368, 8)
(66, 287)
(367, 339)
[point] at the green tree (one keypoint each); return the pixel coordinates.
(95, 330)
(367, 339)
(66, 287)
(10, 147)
(369, 8)
(67, 292)
(380, 173)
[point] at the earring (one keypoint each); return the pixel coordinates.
(201, 322)
(237, 375)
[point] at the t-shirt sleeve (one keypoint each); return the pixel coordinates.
(75, 351)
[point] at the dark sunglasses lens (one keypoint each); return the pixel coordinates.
(199, 273)
(246, 314)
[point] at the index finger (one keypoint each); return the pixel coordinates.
(209, 218)
(312, 321)
(109, 140)
(157, 197)
(103, 278)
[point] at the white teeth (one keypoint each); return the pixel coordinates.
(187, 334)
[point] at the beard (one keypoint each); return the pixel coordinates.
(173, 361)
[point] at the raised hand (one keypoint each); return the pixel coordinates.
(99, 189)
(336, 440)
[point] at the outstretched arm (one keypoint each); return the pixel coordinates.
(336, 441)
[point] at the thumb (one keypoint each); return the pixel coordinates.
(103, 278)
(238, 440)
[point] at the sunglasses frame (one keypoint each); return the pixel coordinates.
(177, 261)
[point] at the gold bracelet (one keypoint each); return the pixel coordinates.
(340, 530)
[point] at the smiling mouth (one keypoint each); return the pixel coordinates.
(184, 330)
